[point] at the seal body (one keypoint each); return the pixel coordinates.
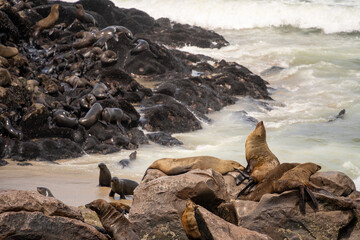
(100, 91)
(258, 155)
(63, 118)
(115, 223)
(8, 52)
(189, 221)
(141, 46)
(49, 21)
(104, 176)
(44, 191)
(83, 16)
(10, 129)
(5, 77)
(91, 116)
(84, 39)
(174, 166)
(112, 115)
(122, 187)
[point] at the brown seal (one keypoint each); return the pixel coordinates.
(115, 223)
(83, 16)
(5, 121)
(258, 156)
(122, 187)
(91, 116)
(63, 118)
(108, 58)
(84, 39)
(174, 166)
(104, 176)
(298, 178)
(49, 21)
(5, 77)
(189, 221)
(8, 52)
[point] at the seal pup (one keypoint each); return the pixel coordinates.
(44, 191)
(141, 46)
(174, 166)
(339, 115)
(5, 77)
(63, 118)
(83, 16)
(8, 52)
(111, 115)
(104, 176)
(10, 129)
(132, 156)
(299, 178)
(115, 223)
(47, 22)
(122, 187)
(259, 157)
(87, 101)
(91, 116)
(189, 221)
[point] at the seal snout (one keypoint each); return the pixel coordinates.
(260, 124)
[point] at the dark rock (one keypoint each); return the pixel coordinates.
(164, 139)
(24, 164)
(3, 162)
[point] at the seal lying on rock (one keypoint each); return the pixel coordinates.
(174, 166)
(91, 116)
(122, 187)
(115, 223)
(104, 176)
(259, 157)
(10, 129)
(47, 22)
(83, 16)
(63, 118)
(44, 191)
(8, 52)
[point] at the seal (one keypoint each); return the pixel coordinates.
(132, 156)
(44, 191)
(267, 184)
(258, 156)
(108, 58)
(115, 223)
(91, 116)
(141, 46)
(49, 21)
(8, 52)
(84, 39)
(174, 166)
(111, 115)
(189, 221)
(104, 176)
(83, 16)
(63, 118)
(87, 101)
(122, 187)
(299, 178)
(100, 91)
(10, 129)
(5, 77)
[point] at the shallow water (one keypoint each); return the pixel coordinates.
(318, 51)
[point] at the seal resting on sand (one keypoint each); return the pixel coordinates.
(259, 157)
(115, 223)
(174, 166)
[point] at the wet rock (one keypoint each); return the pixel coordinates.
(278, 216)
(214, 227)
(35, 120)
(3, 162)
(164, 139)
(163, 113)
(158, 205)
(334, 182)
(24, 164)
(16, 225)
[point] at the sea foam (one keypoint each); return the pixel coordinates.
(330, 16)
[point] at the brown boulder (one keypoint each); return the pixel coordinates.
(32, 201)
(158, 205)
(334, 182)
(216, 228)
(278, 216)
(36, 225)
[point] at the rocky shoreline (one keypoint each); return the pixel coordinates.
(50, 86)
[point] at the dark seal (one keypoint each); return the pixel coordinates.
(63, 118)
(91, 116)
(122, 187)
(104, 176)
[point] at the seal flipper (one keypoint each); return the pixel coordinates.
(241, 177)
(251, 183)
(302, 199)
(313, 198)
(112, 193)
(121, 127)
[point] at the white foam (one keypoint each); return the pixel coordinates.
(330, 16)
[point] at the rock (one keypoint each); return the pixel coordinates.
(168, 115)
(164, 139)
(3, 162)
(214, 227)
(35, 120)
(36, 225)
(231, 186)
(32, 201)
(158, 205)
(278, 216)
(334, 182)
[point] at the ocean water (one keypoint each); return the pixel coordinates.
(314, 46)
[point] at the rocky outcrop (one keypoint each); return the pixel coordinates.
(30, 215)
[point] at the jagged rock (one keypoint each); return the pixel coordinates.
(214, 227)
(164, 139)
(278, 216)
(158, 205)
(152, 174)
(334, 182)
(36, 225)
